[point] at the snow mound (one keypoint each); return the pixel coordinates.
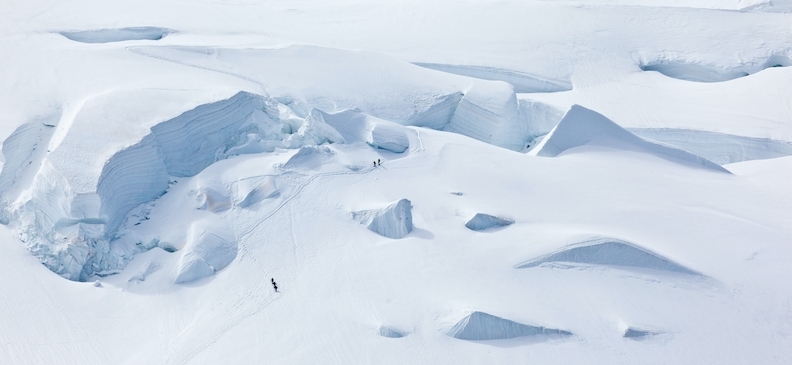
(636, 334)
(718, 147)
(247, 192)
(210, 247)
(479, 326)
(355, 126)
(390, 332)
(581, 126)
(702, 72)
(482, 221)
(309, 158)
(394, 221)
(118, 35)
(611, 252)
(522, 82)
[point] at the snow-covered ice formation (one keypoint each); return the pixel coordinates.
(637, 334)
(393, 221)
(720, 148)
(309, 158)
(702, 72)
(480, 326)
(611, 252)
(491, 113)
(117, 35)
(482, 221)
(249, 191)
(71, 212)
(390, 332)
(355, 126)
(581, 127)
(522, 82)
(210, 247)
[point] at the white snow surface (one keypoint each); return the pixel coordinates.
(582, 127)
(161, 161)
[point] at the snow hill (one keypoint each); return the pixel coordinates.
(593, 181)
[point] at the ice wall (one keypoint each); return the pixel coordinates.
(81, 194)
(394, 221)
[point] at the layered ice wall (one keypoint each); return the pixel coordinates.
(490, 112)
(83, 190)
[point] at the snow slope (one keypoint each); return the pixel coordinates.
(167, 158)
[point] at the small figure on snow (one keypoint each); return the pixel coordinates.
(379, 163)
(274, 285)
(375, 163)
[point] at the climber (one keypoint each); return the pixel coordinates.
(379, 163)
(274, 285)
(375, 163)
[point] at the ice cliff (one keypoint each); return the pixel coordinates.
(393, 221)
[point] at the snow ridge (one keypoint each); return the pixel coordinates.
(610, 252)
(581, 126)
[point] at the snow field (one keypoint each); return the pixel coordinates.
(176, 160)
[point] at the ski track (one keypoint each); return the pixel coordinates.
(176, 352)
(205, 68)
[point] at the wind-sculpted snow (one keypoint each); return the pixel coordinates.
(210, 247)
(479, 326)
(581, 126)
(394, 221)
(355, 126)
(718, 147)
(249, 191)
(309, 158)
(482, 221)
(522, 82)
(702, 72)
(117, 35)
(610, 252)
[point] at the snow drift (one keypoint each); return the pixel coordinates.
(611, 252)
(482, 221)
(581, 126)
(393, 221)
(479, 326)
(210, 247)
